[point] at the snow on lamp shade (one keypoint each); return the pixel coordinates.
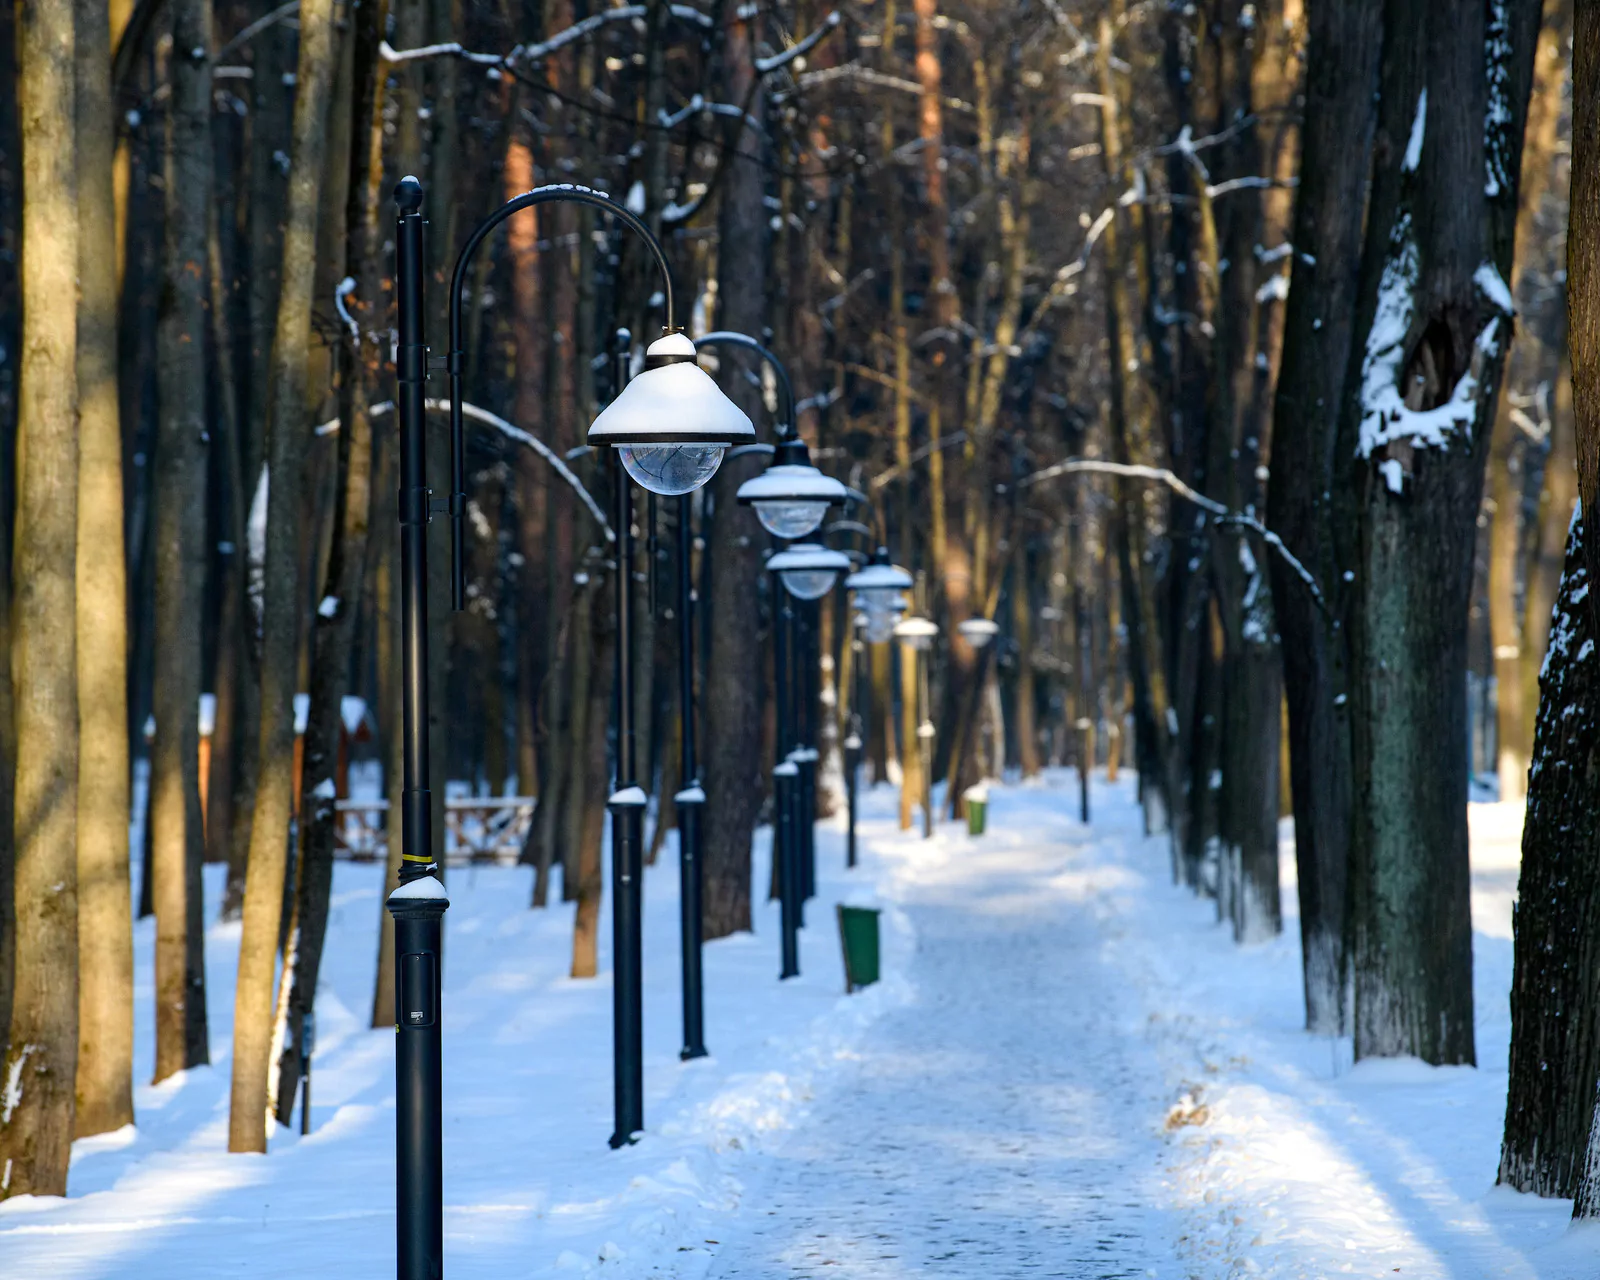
(977, 631)
(671, 425)
(791, 497)
(917, 632)
(877, 586)
(808, 570)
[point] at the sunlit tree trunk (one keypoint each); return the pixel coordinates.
(105, 909)
(1514, 712)
(36, 1127)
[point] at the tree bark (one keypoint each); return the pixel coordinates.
(37, 1121)
(1555, 984)
(1514, 711)
(105, 908)
(1432, 335)
(1344, 39)
(179, 553)
(333, 636)
(269, 837)
(733, 766)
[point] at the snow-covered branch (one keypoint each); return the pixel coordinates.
(478, 414)
(866, 75)
(1160, 475)
(1253, 183)
(799, 49)
(525, 53)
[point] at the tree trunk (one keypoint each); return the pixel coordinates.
(180, 557)
(1432, 326)
(334, 634)
(1514, 711)
(105, 909)
(1344, 39)
(734, 769)
(1583, 330)
(1555, 985)
(269, 837)
(41, 1060)
(588, 803)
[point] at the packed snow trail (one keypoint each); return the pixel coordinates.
(1004, 1123)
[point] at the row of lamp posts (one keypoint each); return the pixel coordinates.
(668, 429)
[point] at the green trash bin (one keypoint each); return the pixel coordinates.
(858, 935)
(976, 802)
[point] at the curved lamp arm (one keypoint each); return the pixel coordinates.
(728, 338)
(555, 193)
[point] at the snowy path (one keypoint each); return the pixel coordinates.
(1001, 1125)
(1069, 1070)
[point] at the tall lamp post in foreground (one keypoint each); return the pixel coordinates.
(694, 422)
(807, 572)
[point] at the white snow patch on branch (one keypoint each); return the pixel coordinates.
(1418, 128)
(1487, 277)
(1275, 289)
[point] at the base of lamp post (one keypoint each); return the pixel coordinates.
(418, 909)
(785, 850)
(690, 802)
(627, 1027)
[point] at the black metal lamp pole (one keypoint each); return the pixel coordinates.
(808, 660)
(690, 800)
(419, 904)
(627, 805)
(852, 743)
(417, 912)
(785, 781)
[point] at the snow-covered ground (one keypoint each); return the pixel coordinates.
(1069, 1069)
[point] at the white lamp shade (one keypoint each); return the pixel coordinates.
(917, 632)
(978, 631)
(808, 570)
(672, 402)
(875, 577)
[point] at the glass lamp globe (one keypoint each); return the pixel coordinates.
(671, 469)
(877, 628)
(791, 497)
(878, 584)
(671, 425)
(808, 571)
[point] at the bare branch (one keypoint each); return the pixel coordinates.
(506, 429)
(1160, 475)
(765, 66)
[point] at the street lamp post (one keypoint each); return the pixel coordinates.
(419, 903)
(690, 800)
(626, 805)
(790, 499)
(916, 633)
(671, 426)
(806, 572)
